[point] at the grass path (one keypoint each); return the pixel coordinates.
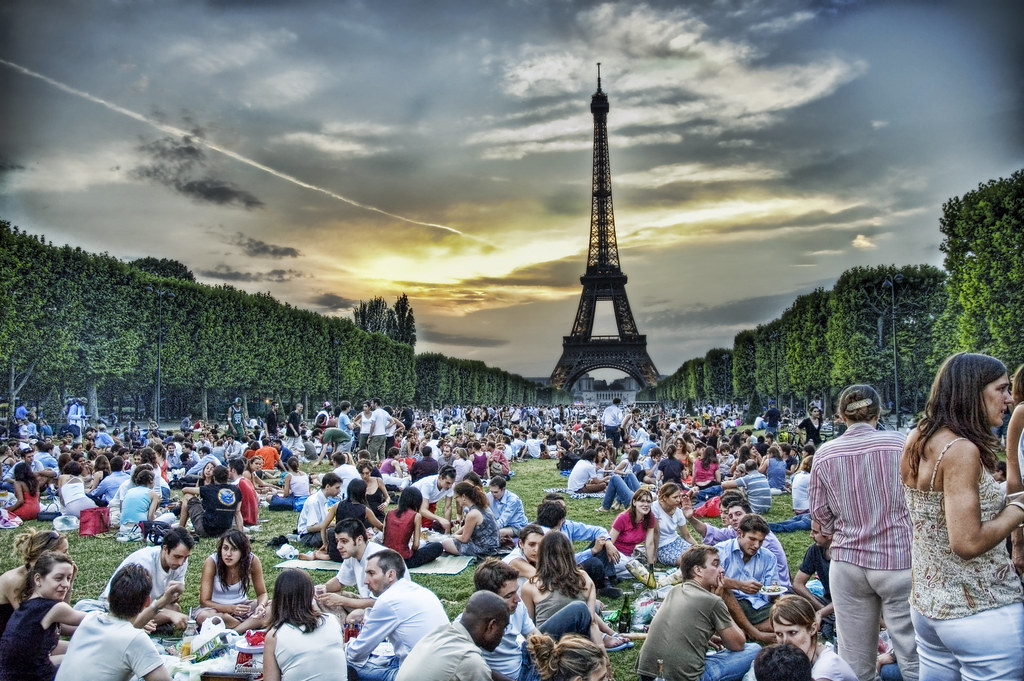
(97, 557)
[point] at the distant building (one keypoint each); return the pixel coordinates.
(596, 392)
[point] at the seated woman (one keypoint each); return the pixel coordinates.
(100, 470)
(402, 530)
(801, 519)
(794, 623)
(673, 467)
(72, 491)
(224, 590)
(774, 468)
(354, 506)
(254, 474)
(31, 649)
(707, 475)
(394, 471)
(377, 498)
(140, 502)
(302, 643)
(479, 535)
(26, 492)
(559, 583)
(636, 525)
(567, 659)
(463, 464)
(29, 545)
(296, 483)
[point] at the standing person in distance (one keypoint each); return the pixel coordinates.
(966, 596)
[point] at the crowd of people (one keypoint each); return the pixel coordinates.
(910, 570)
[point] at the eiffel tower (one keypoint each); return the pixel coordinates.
(581, 350)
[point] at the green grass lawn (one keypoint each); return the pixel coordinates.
(97, 557)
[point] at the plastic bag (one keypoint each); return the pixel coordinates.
(287, 551)
(644, 607)
(211, 627)
(712, 508)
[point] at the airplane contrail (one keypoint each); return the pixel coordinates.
(174, 130)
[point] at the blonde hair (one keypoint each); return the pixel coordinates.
(32, 544)
(570, 657)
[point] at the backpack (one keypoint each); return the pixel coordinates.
(567, 461)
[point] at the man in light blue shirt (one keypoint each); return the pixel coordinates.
(750, 569)
(599, 559)
(507, 508)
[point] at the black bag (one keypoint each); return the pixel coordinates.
(153, 531)
(567, 461)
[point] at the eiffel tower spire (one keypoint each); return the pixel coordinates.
(603, 281)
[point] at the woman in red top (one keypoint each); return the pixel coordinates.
(633, 526)
(402, 530)
(26, 490)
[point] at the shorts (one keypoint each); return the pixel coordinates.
(754, 615)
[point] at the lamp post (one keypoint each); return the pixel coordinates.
(775, 361)
(160, 294)
(891, 281)
(725, 383)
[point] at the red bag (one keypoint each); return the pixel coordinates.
(712, 508)
(94, 521)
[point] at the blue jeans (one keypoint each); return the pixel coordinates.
(794, 524)
(612, 433)
(726, 665)
(372, 671)
(620, 488)
(707, 492)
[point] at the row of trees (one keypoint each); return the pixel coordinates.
(78, 323)
(828, 339)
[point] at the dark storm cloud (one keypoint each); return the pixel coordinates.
(9, 166)
(332, 301)
(179, 164)
(227, 273)
(747, 312)
(555, 274)
(260, 249)
(443, 338)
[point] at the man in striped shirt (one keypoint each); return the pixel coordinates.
(856, 497)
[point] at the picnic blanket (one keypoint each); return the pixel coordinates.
(576, 495)
(444, 565)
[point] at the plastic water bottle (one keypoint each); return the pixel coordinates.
(186, 639)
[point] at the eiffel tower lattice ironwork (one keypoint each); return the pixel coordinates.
(604, 281)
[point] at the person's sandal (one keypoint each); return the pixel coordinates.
(625, 643)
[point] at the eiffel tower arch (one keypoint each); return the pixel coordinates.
(604, 280)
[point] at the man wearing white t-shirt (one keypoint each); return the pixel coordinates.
(380, 420)
(108, 644)
(434, 488)
(403, 613)
(355, 551)
(612, 419)
(165, 564)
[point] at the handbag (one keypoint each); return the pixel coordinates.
(712, 508)
(94, 521)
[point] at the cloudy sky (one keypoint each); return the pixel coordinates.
(332, 151)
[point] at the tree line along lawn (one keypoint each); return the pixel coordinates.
(98, 557)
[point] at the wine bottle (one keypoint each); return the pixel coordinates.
(625, 616)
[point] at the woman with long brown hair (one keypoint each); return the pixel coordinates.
(302, 643)
(560, 582)
(224, 587)
(965, 589)
(28, 546)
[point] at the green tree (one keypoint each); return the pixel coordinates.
(984, 239)
(405, 321)
(164, 268)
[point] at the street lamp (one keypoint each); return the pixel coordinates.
(160, 294)
(775, 360)
(891, 281)
(725, 392)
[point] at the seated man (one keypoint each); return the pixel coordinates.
(682, 650)
(584, 477)
(455, 652)
(313, 518)
(748, 568)
(507, 508)
(734, 509)
(403, 613)
(755, 484)
(434, 488)
(523, 558)
(510, 656)
(109, 645)
(214, 508)
(166, 564)
(355, 551)
(816, 563)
